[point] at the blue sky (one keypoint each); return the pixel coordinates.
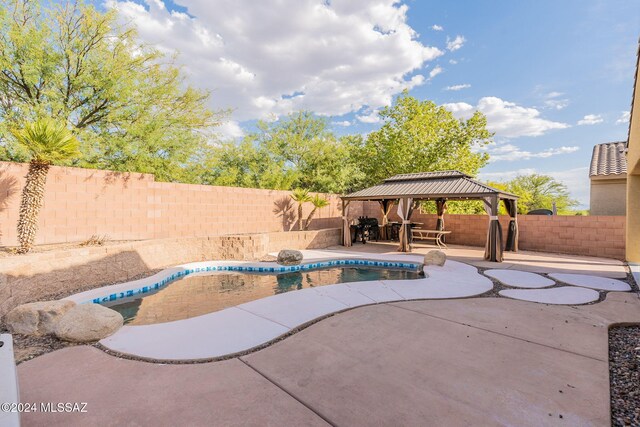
(553, 77)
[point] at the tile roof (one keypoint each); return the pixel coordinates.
(608, 159)
(429, 185)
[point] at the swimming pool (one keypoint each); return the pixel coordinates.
(206, 292)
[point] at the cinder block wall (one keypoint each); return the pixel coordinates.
(46, 275)
(600, 236)
(132, 206)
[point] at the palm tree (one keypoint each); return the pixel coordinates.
(48, 143)
(300, 196)
(318, 202)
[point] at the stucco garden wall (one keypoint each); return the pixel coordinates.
(41, 276)
(600, 236)
(608, 197)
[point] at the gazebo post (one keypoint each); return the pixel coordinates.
(405, 209)
(385, 207)
(515, 223)
(493, 250)
(441, 208)
(346, 231)
(512, 232)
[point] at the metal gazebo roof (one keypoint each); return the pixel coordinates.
(450, 184)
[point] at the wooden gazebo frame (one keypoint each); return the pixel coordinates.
(409, 189)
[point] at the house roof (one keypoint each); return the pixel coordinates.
(608, 159)
(429, 185)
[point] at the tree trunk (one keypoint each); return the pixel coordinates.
(308, 221)
(300, 220)
(32, 198)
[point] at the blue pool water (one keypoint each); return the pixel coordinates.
(203, 293)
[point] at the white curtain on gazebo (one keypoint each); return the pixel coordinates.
(346, 230)
(405, 209)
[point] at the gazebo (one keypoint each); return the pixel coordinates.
(409, 189)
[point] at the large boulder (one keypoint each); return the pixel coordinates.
(37, 318)
(289, 257)
(88, 322)
(435, 257)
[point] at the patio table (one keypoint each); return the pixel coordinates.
(435, 235)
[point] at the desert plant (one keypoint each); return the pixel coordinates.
(48, 143)
(318, 202)
(300, 196)
(95, 240)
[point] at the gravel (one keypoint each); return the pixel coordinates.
(624, 369)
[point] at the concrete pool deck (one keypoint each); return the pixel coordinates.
(474, 361)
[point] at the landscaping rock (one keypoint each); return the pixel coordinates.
(435, 257)
(268, 258)
(37, 318)
(88, 322)
(289, 257)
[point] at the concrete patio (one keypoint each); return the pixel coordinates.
(473, 361)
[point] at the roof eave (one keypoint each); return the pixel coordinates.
(468, 196)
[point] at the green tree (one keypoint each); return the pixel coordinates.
(318, 202)
(127, 103)
(462, 207)
(539, 192)
(297, 151)
(308, 149)
(245, 165)
(46, 143)
(300, 196)
(419, 136)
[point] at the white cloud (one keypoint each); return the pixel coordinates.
(458, 87)
(509, 152)
(624, 118)
(590, 119)
(436, 70)
(343, 123)
(576, 180)
(369, 116)
(455, 44)
(436, 27)
(453, 62)
(557, 104)
(507, 119)
(229, 130)
(554, 100)
(271, 57)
